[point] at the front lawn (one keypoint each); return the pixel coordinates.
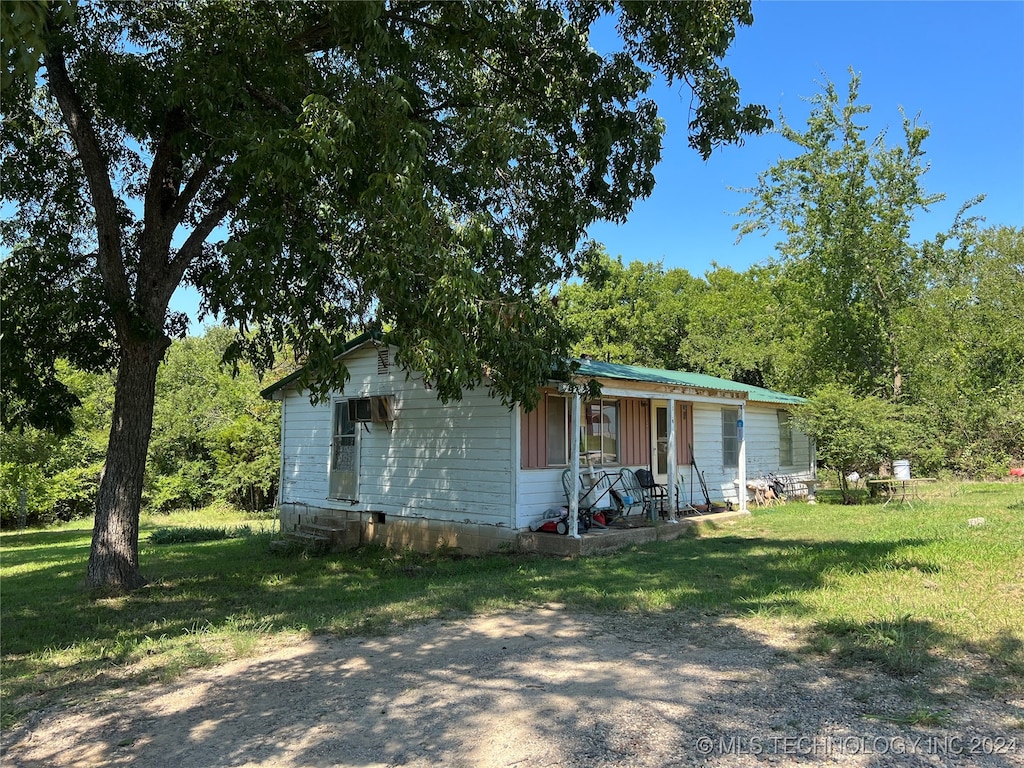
(894, 587)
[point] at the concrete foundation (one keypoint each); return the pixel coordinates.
(357, 528)
(597, 541)
(398, 533)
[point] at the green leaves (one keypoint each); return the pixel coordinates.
(844, 206)
(213, 435)
(636, 314)
(854, 433)
(25, 27)
(429, 167)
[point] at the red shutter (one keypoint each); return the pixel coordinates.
(684, 433)
(534, 436)
(635, 431)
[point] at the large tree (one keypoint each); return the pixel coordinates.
(844, 207)
(315, 168)
(966, 352)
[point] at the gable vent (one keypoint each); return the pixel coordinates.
(383, 361)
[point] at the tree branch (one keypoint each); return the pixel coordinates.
(109, 257)
(161, 196)
(193, 245)
(268, 100)
(191, 189)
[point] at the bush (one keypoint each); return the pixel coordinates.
(191, 535)
(855, 434)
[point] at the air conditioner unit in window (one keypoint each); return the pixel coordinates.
(360, 410)
(379, 408)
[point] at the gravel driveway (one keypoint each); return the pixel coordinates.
(543, 688)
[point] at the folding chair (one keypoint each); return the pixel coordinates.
(596, 498)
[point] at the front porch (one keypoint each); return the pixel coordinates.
(596, 540)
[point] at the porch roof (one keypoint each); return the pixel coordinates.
(600, 370)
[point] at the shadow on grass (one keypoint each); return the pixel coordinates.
(43, 538)
(373, 589)
(204, 596)
(901, 646)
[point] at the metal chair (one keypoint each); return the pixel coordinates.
(657, 495)
(630, 494)
(589, 500)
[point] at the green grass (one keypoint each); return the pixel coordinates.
(895, 588)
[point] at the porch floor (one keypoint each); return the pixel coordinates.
(597, 541)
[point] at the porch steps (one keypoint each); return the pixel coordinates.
(323, 532)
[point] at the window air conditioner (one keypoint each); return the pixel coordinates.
(379, 408)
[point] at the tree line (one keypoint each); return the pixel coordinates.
(912, 350)
(214, 439)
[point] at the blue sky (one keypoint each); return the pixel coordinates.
(959, 64)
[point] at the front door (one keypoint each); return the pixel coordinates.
(659, 441)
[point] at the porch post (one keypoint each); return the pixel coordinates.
(574, 467)
(671, 460)
(742, 468)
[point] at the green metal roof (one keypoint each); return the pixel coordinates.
(599, 370)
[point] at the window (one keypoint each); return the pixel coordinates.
(730, 437)
(557, 419)
(601, 432)
(547, 433)
(344, 468)
(785, 440)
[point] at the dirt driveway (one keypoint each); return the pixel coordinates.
(544, 688)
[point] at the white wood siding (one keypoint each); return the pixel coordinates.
(707, 452)
(442, 462)
(537, 491)
(761, 432)
(764, 449)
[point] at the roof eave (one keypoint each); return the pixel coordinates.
(276, 390)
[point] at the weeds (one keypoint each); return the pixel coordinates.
(192, 535)
(922, 716)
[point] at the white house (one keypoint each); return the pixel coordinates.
(474, 474)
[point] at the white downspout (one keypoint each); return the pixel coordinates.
(741, 490)
(671, 461)
(574, 468)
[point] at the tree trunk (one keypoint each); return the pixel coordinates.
(897, 369)
(114, 557)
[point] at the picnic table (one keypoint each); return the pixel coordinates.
(901, 490)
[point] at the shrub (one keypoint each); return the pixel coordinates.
(194, 534)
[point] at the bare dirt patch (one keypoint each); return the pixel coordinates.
(543, 688)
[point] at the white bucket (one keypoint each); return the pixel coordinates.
(901, 469)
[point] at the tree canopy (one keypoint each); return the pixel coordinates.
(851, 311)
(844, 207)
(317, 168)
